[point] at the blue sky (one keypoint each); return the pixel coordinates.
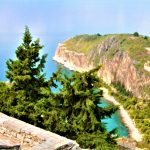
(54, 21)
(74, 16)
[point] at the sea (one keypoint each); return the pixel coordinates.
(8, 46)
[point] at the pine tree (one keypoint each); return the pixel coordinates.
(26, 77)
(4, 89)
(74, 112)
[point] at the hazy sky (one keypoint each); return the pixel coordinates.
(74, 16)
(54, 21)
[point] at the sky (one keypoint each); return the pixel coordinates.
(74, 16)
(54, 21)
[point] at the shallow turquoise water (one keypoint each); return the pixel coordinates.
(114, 122)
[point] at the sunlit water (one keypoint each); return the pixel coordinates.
(114, 122)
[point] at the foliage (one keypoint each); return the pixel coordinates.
(138, 110)
(26, 79)
(84, 43)
(120, 87)
(136, 34)
(134, 46)
(145, 37)
(98, 34)
(4, 91)
(72, 112)
(85, 140)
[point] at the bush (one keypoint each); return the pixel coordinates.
(98, 34)
(145, 37)
(136, 34)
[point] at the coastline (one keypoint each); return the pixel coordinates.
(69, 65)
(133, 131)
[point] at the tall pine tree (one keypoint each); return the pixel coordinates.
(74, 111)
(26, 78)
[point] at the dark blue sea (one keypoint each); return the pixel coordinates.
(8, 45)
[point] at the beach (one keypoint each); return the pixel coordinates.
(133, 131)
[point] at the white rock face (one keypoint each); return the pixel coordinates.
(71, 60)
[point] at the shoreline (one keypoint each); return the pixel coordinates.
(133, 131)
(69, 65)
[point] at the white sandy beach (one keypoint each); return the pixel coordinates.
(133, 131)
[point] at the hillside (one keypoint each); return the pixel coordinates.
(125, 61)
(124, 58)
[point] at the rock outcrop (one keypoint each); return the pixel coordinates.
(71, 59)
(117, 65)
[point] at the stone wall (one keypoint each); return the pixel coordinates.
(36, 138)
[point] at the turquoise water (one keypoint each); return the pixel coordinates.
(7, 50)
(114, 122)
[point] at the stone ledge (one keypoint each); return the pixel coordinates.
(147, 66)
(36, 138)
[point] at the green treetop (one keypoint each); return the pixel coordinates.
(74, 111)
(25, 74)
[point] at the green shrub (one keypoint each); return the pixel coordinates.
(145, 37)
(98, 34)
(136, 34)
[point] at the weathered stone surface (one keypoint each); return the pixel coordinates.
(3, 118)
(8, 142)
(26, 129)
(32, 137)
(12, 125)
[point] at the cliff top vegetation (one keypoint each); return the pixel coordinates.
(135, 46)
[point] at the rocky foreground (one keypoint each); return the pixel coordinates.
(18, 134)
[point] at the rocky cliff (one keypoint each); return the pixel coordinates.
(119, 62)
(71, 59)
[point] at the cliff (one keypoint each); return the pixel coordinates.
(71, 59)
(123, 58)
